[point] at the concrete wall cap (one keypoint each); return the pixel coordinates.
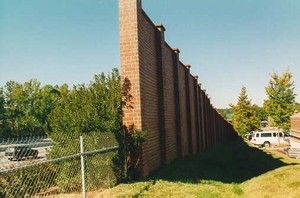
(176, 50)
(160, 27)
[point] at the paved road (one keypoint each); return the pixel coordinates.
(8, 164)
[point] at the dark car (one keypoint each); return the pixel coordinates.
(20, 152)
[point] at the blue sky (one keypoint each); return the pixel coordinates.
(229, 43)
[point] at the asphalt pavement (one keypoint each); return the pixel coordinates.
(6, 164)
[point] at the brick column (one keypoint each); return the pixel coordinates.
(197, 115)
(160, 74)
(177, 102)
(210, 135)
(206, 121)
(130, 13)
(201, 125)
(214, 125)
(188, 107)
(203, 118)
(128, 24)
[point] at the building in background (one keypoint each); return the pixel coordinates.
(295, 136)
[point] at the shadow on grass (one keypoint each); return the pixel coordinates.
(232, 162)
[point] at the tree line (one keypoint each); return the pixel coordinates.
(30, 109)
(279, 106)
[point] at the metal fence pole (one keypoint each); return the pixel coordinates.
(82, 167)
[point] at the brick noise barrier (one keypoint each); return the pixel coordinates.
(168, 102)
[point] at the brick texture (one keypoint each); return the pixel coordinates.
(168, 103)
(295, 122)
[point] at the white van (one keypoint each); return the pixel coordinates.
(268, 138)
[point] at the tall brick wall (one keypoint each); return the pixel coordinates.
(168, 102)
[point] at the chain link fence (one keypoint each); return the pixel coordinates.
(57, 166)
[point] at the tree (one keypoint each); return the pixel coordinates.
(244, 116)
(280, 104)
(89, 108)
(297, 107)
(25, 108)
(91, 111)
(4, 132)
(260, 112)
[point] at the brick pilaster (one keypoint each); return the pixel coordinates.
(128, 24)
(160, 74)
(177, 102)
(188, 107)
(196, 107)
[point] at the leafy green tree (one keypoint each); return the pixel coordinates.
(244, 116)
(89, 108)
(25, 108)
(46, 101)
(280, 104)
(297, 107)
(260, 112)
(4, 132)
(17, 110)
(92, 111)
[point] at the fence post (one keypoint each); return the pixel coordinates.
(82, 167)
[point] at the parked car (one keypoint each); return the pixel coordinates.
(20, 152)
(268, 138)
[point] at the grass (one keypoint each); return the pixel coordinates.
(234, 169)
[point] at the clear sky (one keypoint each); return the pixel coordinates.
(229, 43)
